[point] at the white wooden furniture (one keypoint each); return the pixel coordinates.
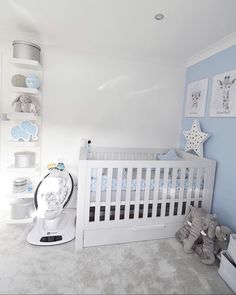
(137, 197)
(10, 119)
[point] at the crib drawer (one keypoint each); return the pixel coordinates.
(115, 235)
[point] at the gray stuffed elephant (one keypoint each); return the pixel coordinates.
(205, 244)
(196, 221)
(201, 222)
(184, 231)
(198, 234)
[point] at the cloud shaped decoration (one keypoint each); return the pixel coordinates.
(25, 131)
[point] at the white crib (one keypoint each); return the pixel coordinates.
(126, 195)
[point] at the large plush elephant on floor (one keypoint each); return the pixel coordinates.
(198, 233)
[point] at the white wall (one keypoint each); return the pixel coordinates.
(111, 101)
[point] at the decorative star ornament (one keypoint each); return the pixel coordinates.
(195, 139)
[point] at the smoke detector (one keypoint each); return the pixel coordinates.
(159, 16)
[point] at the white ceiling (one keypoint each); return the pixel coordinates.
(124, 27)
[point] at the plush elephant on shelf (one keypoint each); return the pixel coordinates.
(24, 104)
(198, 233)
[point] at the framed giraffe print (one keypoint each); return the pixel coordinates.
(223, 99)
(196, 98)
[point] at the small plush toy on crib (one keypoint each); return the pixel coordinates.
(88, 148)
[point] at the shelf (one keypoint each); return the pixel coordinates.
(25, 144)
(26, 90)
(23, 195)
(33, 169)
(26, 64)
(21, 116)
(20, 221)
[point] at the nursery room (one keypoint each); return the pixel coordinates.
(117, 147)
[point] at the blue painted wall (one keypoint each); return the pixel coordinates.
(221, 146)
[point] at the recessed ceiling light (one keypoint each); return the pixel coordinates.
(159, 16)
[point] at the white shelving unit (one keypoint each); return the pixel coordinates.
(26, 64)
(25, 144)
(25, 67)
(29, 170)
(26, 90)
(18, 116)
(23, 195)
(20, 221)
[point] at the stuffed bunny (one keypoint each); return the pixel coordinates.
(222, 238)
(22, 103)
(34, 109)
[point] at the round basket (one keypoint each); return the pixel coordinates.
(18, 81)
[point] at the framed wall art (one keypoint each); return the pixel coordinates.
(196, 98)
(223, 99)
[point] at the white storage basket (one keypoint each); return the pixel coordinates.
(227, 271)
(24, 159)
(232, 247)
(22, 208)
(26, 50)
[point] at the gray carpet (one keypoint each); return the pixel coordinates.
(153, 267)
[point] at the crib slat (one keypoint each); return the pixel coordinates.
(197, 186)
(137, 193)
(189, 187)
(204, 189)
(164, 191)
(173, 190)
(118, 193)
(108, 193)
(88, 200)
(147, 192)
(98, 194)
(155, 192)
(128, 193)
(181, 190)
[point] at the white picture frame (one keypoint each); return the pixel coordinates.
(195, 104)
(223, 98)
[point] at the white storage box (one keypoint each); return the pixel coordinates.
(227, 271)
(22, 208)
(232, 247)
(26, 50)
(24, 159)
